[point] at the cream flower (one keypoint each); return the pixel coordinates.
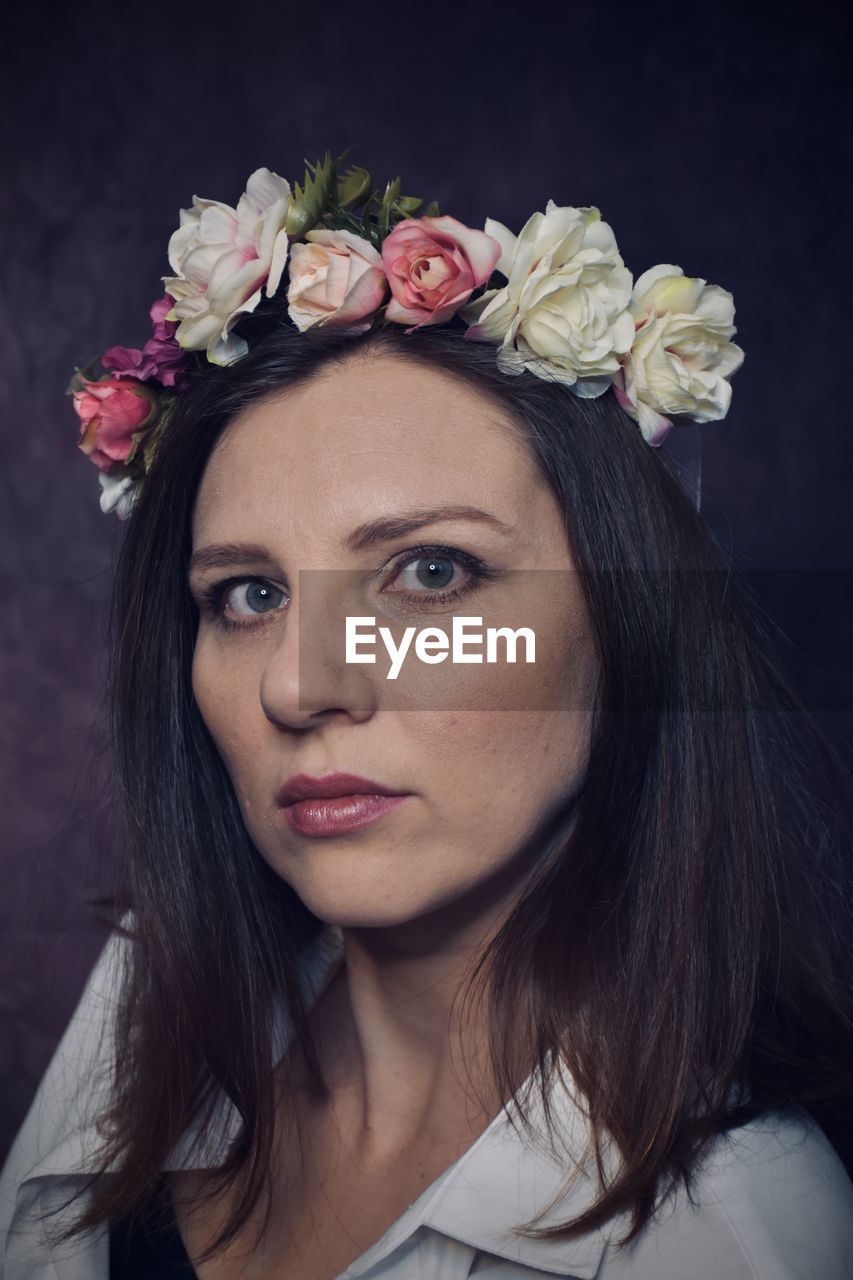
(222, 257)
(336, 279)
(682, 355)
(564, 311)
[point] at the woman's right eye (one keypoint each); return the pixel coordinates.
(245, 597)
(260, 597)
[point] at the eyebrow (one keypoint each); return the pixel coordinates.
(366, 535)
(228, 553)
(385, 528)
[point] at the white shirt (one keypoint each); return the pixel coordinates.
(775, 1202)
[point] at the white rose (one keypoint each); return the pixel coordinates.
(117, 490)
(221, 258)
(682, 355)
(565, 303)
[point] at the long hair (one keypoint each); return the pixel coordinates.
(681, 947)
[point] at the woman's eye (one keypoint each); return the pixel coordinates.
(426, 577)
(253, 597)
(425, 573)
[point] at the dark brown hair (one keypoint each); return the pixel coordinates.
(681, 946)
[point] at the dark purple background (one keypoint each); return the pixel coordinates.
(706, 137)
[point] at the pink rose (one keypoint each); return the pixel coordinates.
(337, 278)
(433, 266)
(161, 357)
(110, 411)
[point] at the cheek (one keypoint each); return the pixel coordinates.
(511, 764)
(222, 696)
(519, 761)
(554, 667)
(494, 777)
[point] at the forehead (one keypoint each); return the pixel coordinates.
(361, 439)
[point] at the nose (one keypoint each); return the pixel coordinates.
(306, 679)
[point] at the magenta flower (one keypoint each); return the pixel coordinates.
(160, 358)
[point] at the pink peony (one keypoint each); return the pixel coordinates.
(160, 358)
(337, 279)
(110, 411)
(433, 266)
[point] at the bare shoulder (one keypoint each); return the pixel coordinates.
(771, 1201)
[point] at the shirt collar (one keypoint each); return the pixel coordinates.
(502, 1180)
(507, 1178)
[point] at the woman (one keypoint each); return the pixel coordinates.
(563, 992)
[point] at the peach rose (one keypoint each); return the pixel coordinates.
(110, 411)
(433, 266)
(337, 278)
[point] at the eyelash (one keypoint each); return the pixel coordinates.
(212, 597)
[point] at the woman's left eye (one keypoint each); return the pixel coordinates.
(435, 575)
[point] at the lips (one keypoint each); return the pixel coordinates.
(336, 804)
(339, 815)
(303, 787)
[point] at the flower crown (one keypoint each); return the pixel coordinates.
(558, 301)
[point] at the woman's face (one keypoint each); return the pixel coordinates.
(486, 751)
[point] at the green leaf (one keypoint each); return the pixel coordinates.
(87, 373)
(407, 205)
(342, 221)
(353, 186)
(136, 442)
(392, 191)
(307, 204)
(150, 438)
(342, 157)
(431, 210)
(367, 224)
(150, 450)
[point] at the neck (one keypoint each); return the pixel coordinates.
(403, 1039)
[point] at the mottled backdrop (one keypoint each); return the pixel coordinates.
(708, 136)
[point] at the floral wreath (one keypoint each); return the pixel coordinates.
(558, 301)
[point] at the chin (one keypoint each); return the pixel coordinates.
(355, 900)
(360, 908)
